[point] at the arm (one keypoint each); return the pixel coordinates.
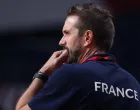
(32, 90)
(55, 61)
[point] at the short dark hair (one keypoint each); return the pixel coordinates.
(97, 19)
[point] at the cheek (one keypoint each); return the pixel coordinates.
(76, 44)
(71, 41)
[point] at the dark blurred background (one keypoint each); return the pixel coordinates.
(31, 29)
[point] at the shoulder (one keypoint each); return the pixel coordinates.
(64, 74)
(67, 73)
(72, 69)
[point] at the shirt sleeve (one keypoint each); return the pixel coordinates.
(56, 92)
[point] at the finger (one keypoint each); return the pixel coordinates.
(63, 55)
(57, 53)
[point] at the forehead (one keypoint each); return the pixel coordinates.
(71, 22)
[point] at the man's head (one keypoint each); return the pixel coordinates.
(87, 26)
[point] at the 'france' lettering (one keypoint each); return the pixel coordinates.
(116, 91)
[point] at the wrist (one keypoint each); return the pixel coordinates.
(40, 76)
(45, 72)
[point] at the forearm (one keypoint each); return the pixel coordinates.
(32, 90)
(55, 61)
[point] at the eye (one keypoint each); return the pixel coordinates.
(66, 32)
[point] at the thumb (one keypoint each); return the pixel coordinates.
(63, 55)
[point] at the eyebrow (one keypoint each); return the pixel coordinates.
(65, 31)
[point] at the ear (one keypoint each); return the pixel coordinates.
(88, 38)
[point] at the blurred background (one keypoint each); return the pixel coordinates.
(31, 29)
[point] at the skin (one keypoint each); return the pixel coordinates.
(70, 40)
(76, 49)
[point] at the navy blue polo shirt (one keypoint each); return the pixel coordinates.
(93, 85)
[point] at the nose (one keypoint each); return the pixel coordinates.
(62, 42)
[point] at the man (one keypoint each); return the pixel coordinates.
(83, 76)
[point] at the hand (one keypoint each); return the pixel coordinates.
(56, 60)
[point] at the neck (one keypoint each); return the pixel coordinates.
(88, 53)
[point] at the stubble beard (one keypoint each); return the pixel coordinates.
(73, 54)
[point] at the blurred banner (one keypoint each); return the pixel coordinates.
(19, 13)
